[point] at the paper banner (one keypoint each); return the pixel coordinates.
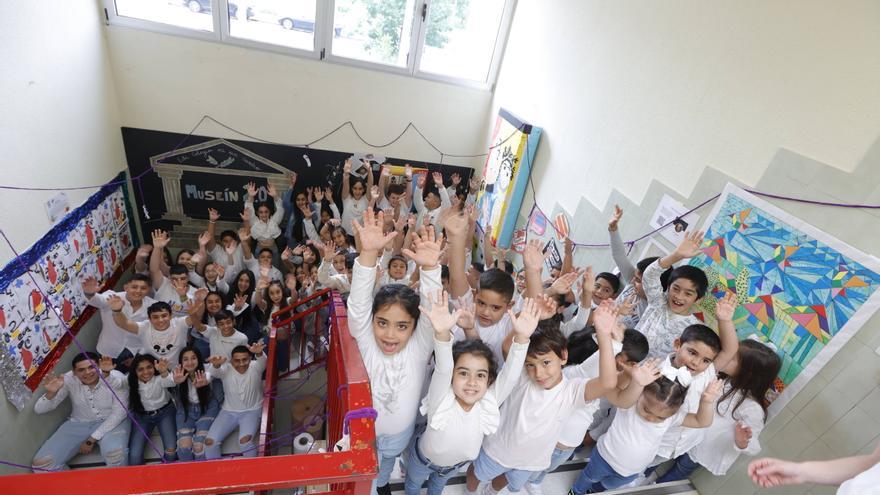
(519, 240)
(538, 222)
(562, 228)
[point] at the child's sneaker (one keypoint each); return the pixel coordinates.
(534, 489)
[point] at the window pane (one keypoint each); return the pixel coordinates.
(279, 22)
(460, 37)
(192, 14)
(373, 30)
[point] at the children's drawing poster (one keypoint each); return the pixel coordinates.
(41, 293)
(798, 288)
(505, 176)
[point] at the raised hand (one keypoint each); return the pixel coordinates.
(105, 364)
(690, 245)
(251, 190)
(213, 215)
(217, 361)
(180, 286)
(473, 184)
(769, 472)
(160, 239)
(712, 392)
(239, 301)
(563, 284)
(204, 239)
(725, 307)
(533, 256)
(178, 375)
(286, 254)
(407, 170)
(455, 178)
(271, 191)
(245, 216)
(467, 316)
(200, 379)
(221, 270)
(441, 319)
(371, 234)
(456, 224)
(194, 308)
(421, 182)
(645, 373)
(527, 321)
(319, 194)
(201, 294)
(605, 318)
(742, 435)
(144, 251)
(427, 248)
(329, 250)
(615, 218)
(90, 285)
(306, 211)
(437, 177)
(385, 171)
(626, 307)
(374, 193)
(262, 283)
(547, 306)
(346, 167)
(256, 348)
(244, 233)
(328, 194)
(53, 383)
(115, 302)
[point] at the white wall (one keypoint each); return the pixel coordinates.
(631, 91)
(58, 114)
(60, 127)
(167, 83)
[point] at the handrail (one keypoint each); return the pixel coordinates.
(349, 472)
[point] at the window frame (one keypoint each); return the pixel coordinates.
(323, 37)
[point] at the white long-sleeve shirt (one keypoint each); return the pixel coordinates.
(242, 391)
(658, 323)
(95, 403)
(328, 279)
(718, 450)
(396, 380)
(154, 393)
(113, 339)
(627, 272)
(423, 210)
(268, 230)
(454, 435)
(352, 210)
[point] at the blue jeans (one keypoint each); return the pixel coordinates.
(388, 447)
(559, 456)
(486, 469)
(248, 423)
(164, 419)
(419, 468)
(64, 444)
(598, 476)
(682, 469)
(192, 428)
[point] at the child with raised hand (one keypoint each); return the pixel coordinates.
(174, 289)
(635, 434)
(463, 399)
(395, 196)
(431, 203)
(328, 275)
(536, 410)
(198, 405)
(265, 225)
(669, 313)
(242, 401)
(739, 415)
(162, 335)
(151, 403)
(354, 196)
(394, 338)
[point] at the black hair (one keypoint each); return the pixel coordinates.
(140, 277)
(643, 265)
(298, 232)
(205, 314)
(178, 269)
(396, 189)
(635, 345)
(230, 233)
(497, 281)
(694, 274)
(240, 349)
(352, 180)
(505, 266)
(159, 306)
(477, 348)
(349, 260)
(223, 315)
(701, 333)
(203, 393)
(285, 297)
(444, 272)
(85, 356)
(580, 346)
(478, 266)
(612, 279)
(314, 251)
(264, 250)
(547, 339)
(398, 294)
(669, 393)
(188, 251)
(245, 318)
(759, 366)
(349, 239)
(396, 257)
(134, 396)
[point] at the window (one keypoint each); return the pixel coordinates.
(458, 41)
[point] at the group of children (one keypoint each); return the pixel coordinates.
(471, 364)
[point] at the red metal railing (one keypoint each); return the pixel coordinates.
(348, 472)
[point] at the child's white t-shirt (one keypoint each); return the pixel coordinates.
(454, 435)
(492, 335)
(631, 443)
(658, 323)
(242, 391)
(165, 344)
(866, 483)
(718, 450)
(531, 421)
(112, 339)
(223, 346)
(395, 381)
(154, 394)
(679, 439)
(167, 293)
(352, 210)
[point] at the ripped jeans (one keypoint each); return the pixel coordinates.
(64, 444)
(192, 428)
(248, 423)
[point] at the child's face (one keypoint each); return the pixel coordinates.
(397, 269)
(696, 356)
(243, 283)
(179, 279)
(301, 201)
(189, 361)
(309, 256)
(313, 272)
(394, 200)
(339, 238)
(263, 213)
(184, 258)
(275, 294)
(602, 290)
(339, 263)
(520, 281)
(265, 258)
(652, 410)
(682, 294)
(432, 201)
(145, 371)
(160, 320)
(392, 328)
(470, 379)
(637, 283)
(357, 190)
(241, 361)
(490, 307)
(211, 273)
(325, 216)
(135, 290)
(300, 274)
(545, 369)
(226, 327)
(229, 242)
(213, 303)
(87, 374)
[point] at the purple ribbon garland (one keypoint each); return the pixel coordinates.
(362, 413)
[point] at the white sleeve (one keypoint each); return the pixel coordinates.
(618, 253)
(311, 232)
(196, 279)
(442, 377)
(360, 300)
(652, 286)
(99, 300)
(577, 323)
(511, 372)
(419, 201)
(279, 212)
(44, 405)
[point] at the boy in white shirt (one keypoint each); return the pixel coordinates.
(162, 336)
(114, 341)
(431, 203)
(243, 400)
(174, 289)
(222, 338)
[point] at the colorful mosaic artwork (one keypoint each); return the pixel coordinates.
(799, 289)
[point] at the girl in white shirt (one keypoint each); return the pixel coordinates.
(151, 405)
(463, 399)
(354, 197)
(394, 338)
(265, 225)
(634, 437)
(739, 415)
(198, 405)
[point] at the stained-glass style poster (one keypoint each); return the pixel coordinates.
(799, 289)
